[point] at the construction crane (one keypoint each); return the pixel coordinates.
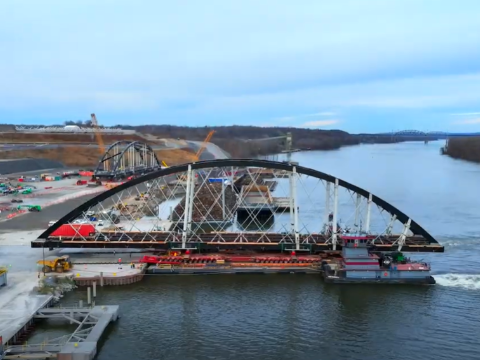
(288, 143)
(98, 134)
(204, 144)
(199, 152)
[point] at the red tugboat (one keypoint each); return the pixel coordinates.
(358, 265)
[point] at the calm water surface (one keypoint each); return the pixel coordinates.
(299, 317)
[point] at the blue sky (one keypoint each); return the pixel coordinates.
(355, 65)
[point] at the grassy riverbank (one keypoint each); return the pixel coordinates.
(464, 148)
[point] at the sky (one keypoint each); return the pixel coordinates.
(354, 65)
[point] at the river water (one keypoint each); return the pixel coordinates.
(298, 316)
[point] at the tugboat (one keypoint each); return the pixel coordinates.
(358, 265)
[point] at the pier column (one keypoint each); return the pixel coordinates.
(327, 205)
(89, 296)
(94, 291)
(335, 210)
(295, 208)
(186, 210)
(369, 213)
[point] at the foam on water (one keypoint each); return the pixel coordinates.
(466, 281)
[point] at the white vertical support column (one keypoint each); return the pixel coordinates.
(403, 236)
(295, 207)
(145, 160)
(186, 210)
(292, 205)
(223, 199)
(335, 210)
(192, 196)
(357, 211)
(389, 229)
(369, 213)
(327, 205)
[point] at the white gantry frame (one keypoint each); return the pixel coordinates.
(301, 190)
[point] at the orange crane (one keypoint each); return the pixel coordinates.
(204, 144)
(98, 134)
(199, 152)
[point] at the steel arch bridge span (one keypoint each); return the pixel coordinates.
(419, 133)
(298, 232)
(126, 158)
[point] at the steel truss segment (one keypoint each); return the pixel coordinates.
(235, 201)
(125, 158)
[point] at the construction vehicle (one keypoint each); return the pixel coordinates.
(32, 208)
(58, 264)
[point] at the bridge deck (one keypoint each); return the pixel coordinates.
(227, 240)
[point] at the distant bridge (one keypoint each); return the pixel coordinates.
(425, 134)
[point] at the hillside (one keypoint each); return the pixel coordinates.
(29, 138)
(232, 138)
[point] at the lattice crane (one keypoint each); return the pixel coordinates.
(98, 134)
(204, 144)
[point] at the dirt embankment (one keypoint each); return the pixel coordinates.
(73, 156)
(30, 138)
(464, 148)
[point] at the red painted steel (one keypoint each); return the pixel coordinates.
(74, 230)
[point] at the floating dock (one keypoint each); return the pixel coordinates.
(80, 345)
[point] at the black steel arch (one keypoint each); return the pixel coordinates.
(414, 226)
(137, 145)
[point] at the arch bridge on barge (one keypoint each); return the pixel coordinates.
(237, 204)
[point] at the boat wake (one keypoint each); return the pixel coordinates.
(468, 241)
(466, 281)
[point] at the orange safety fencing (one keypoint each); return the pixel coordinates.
(12, 215)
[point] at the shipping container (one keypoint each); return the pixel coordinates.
(75, 230)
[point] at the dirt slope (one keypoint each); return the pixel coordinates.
(73, 156)
(70, 138)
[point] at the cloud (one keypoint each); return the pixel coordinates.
(466, 114)
(468, 122)
(320, 123)
(297, 117)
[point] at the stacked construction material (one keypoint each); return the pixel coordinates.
(207, 203)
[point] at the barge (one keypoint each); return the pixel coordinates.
(358, 265)
(232, 264)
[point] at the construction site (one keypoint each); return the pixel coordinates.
(36, 148)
